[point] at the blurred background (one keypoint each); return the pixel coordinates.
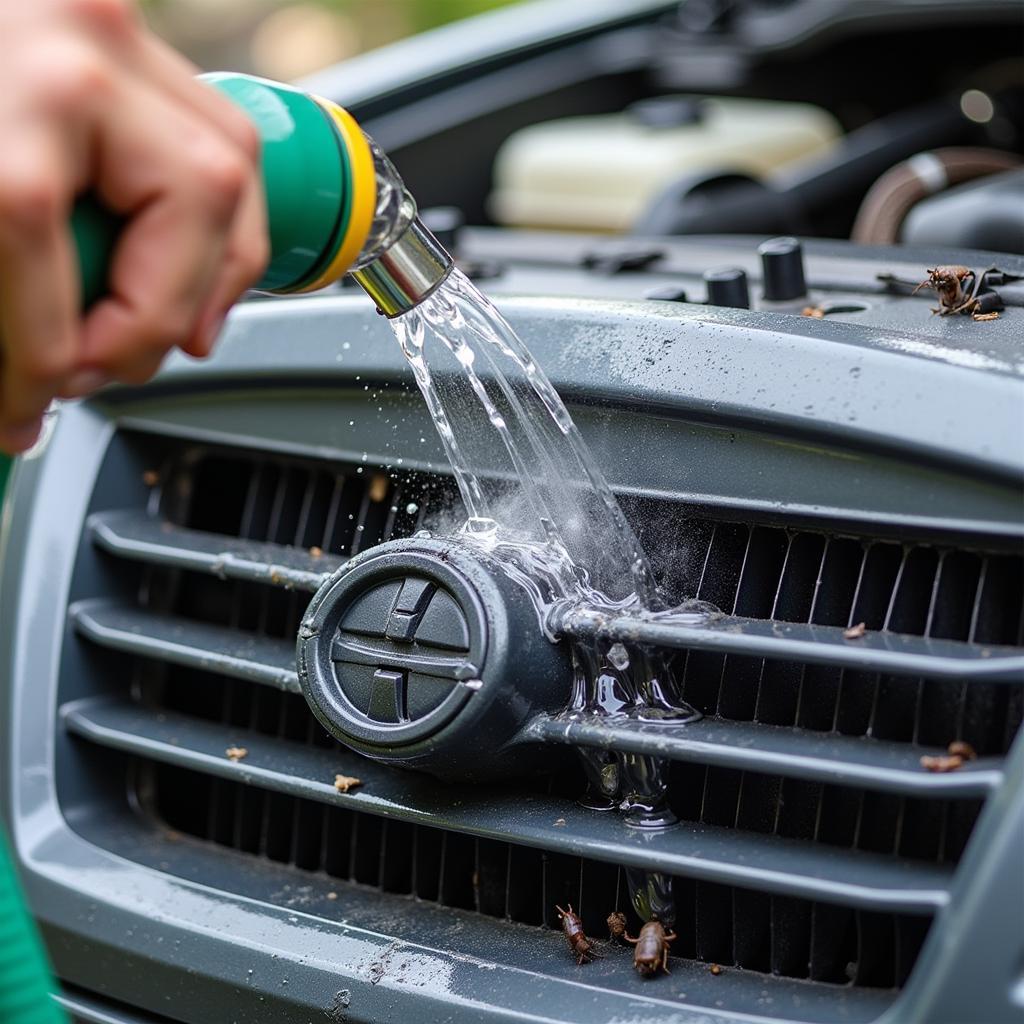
(286, 40)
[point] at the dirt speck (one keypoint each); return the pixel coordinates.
(715, 969)
(813, 311)
(560, 823)
(343, 783)
(315, 552)
(855, 632)
(332, 895)
(986, 316)
(151, 478)
(236, 754)
(339, 1006)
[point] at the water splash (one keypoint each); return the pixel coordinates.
(479, 380)
(538, 504)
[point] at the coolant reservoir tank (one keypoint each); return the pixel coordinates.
(600, 172)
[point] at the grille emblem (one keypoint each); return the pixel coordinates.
(400, 650)
(421, 652)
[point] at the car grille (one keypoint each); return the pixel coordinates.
(811, 843)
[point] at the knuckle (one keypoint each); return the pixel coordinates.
(116, 15)
(30, 201)
(221, 175)
(80, 76)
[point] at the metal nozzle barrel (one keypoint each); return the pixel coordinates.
(407, 272)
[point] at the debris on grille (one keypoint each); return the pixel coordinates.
(720, 924)
(759, 571)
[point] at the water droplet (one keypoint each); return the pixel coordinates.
(411, 509)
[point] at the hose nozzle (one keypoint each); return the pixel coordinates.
(407, 272)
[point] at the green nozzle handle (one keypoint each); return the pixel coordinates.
(312, 179)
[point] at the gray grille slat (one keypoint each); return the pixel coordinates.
(781, 866)
(216, 649)
(782, 750)
(138, 537)
(894, 653)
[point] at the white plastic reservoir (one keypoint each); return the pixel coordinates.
(600, 172)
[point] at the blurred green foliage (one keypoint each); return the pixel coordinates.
(424, 14)
(289, 38)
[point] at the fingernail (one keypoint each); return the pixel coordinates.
(84, 382)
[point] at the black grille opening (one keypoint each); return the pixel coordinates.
(720, 924)
(929, 830)
(759, 570)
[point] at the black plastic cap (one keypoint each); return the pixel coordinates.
(727, 286)
(782, 261)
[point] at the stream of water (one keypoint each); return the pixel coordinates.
(538, 503)
(531, 488)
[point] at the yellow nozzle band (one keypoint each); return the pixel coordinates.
(364, 195)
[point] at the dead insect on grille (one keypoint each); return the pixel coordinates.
(942, 763)
(579, 945)
(651, 953)
(962, 290)
(960, 748)
(617, 925)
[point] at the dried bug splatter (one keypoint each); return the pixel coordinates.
(651, 953)
(579, 945)
(942, 763)
(616, 925)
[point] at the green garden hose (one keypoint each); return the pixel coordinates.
(25, 980)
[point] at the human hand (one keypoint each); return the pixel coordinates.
(90, 100)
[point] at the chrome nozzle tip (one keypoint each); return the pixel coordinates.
(407, 273)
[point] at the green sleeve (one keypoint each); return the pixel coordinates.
(25, 981)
